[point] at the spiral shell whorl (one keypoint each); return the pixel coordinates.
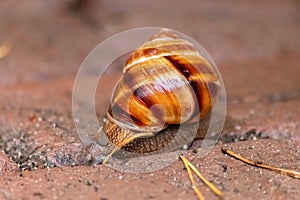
(165, 81)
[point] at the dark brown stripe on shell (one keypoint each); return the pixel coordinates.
(146, 100)
(117, 110)
(142, 96)
(186, 69)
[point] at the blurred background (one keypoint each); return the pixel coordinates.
(50, 39)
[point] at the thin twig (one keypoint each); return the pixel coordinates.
(288, 172)
(213, 188)
(195, 188)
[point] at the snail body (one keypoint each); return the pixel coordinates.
(165, 83)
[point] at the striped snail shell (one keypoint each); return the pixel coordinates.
(165, 82)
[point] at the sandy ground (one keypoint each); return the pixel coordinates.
(255, 45)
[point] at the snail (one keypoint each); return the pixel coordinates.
(165, 83)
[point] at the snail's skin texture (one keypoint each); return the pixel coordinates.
(168, 139)
(165, 83)
(139, 145)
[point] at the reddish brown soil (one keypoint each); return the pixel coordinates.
(255, 45)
